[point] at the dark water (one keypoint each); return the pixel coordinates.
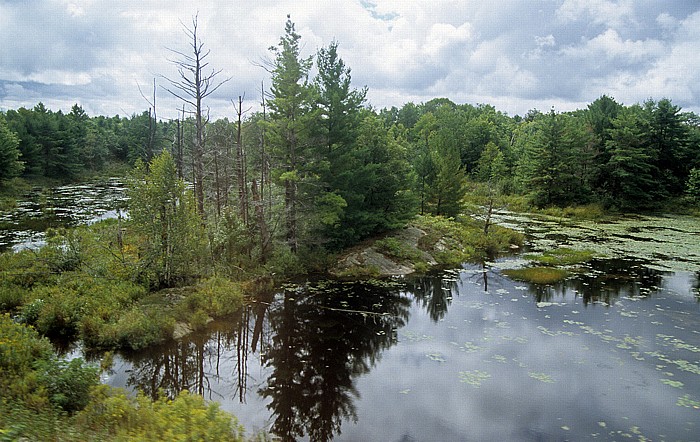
(63, 206)
(613, 353)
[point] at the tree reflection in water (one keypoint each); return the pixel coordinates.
(603, 281)
(324, 338)
(194, 362)
(434, 293)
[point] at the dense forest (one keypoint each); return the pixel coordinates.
(318, 167)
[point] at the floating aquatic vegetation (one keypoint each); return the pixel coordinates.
(470, 347)
(499, 358)
(474, 377)
(548, 332)
(415, 337)
(680, 363)
(678, 343)
(562, 256)
(666, 243)
(437, 357)
(672, 383)
(688, 402)
(542, 377)
(517, 339)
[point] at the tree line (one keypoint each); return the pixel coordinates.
(318, 168)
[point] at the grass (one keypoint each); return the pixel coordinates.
(538, 275)
(81, 285)
(562, 256)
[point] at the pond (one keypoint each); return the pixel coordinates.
(62, 206)
(610, 353)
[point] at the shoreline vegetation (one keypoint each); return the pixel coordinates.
(317, 183)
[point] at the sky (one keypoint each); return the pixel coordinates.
(516, 55)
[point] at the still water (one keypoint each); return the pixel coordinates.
(62, 206)
(613, 353)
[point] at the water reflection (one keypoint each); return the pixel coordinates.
(434, 293)
(445, 356)
(604, 281)
(319, 349)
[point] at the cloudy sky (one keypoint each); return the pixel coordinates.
(514, 54)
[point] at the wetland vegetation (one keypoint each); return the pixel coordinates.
(544, 285)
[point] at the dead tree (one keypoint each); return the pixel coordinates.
(241, 173)
(194, 83)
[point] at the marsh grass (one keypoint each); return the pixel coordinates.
(562, 256)
(538, 275)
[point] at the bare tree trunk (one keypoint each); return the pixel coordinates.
(240, 167)
(259, 206)
(192, 87)
(217, 182)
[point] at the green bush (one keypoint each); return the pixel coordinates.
(395, 248)
(68, 383)
(186, 418)
(138, 328)
(60, 312)
(30, 373)
(284, 263)
(11, 296)
(216, 296)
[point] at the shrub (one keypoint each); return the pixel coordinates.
(11, 296)
(138, 328)
(216, 296)
(31, 374)
(185, 418)
(284, 263)
(396, 248)
(59, 313)
(68, 383)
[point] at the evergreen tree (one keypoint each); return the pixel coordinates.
(599, 116)
(668, 137)
(374, 185)
(632, 165)
(290, 116)
(446, 190)
(164, 214)
(554, 149)
(10, 164)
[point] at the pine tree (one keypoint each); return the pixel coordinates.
(10, 164)
(290, 115)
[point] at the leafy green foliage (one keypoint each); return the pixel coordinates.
(10, 164)
(692, 188)
(562, 256)
(186, 418)
(215, 296)
(164, 213)
(29, 371)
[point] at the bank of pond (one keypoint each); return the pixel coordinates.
(590, 330)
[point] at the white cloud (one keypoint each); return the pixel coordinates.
(600, 12)
(510, 52)
(609, 46)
